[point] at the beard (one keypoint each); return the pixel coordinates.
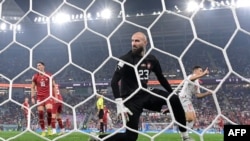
(137, 51)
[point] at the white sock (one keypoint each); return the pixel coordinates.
(184, 134)
(190, 124)
(62, 130)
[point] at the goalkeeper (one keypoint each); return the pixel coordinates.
(133, 107)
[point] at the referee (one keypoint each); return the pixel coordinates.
(100, 113)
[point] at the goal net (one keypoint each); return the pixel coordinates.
(81, 41)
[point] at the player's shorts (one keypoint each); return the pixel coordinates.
(220, 124)
(101, 114)
(57, 108)
(187, 104)
(145, 100)
(153, 102)
(49, 101)
(105, 119)
(26, 115)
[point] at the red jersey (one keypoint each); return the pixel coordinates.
(220, 122)
(26, 105)
(42, 84)
(105, 116)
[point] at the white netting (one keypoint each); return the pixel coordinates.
(81, 48)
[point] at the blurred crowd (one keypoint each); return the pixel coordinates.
(231, 101)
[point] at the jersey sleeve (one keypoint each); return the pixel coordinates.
(158, 72)
(196, 82)
(34, 77)
(116, 78)
(189, 76)
(198, 86)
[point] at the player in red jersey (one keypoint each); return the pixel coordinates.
(25, 107)
(67, 124)
(56, 112)
(106, 118)
(220, 124)
(41, 83)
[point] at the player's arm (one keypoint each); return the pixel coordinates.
(194, 77)
(55, 89)
(115, 80)
(201, 95)
(108, 116)
(163, 81)
(33, 88)
(22, 108)
(98, 107)
(116, 91)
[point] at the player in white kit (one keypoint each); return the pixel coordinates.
(192, 87)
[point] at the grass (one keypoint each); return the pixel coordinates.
(77, 136)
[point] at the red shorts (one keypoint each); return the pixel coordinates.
(105, 121)
(49, 101)
(57, 108)
(26, 115)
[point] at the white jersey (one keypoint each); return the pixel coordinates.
(189, 88)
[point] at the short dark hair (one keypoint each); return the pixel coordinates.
(196, 67)
(40, 62)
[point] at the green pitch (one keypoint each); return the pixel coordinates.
(77, 136)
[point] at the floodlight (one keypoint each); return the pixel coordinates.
(89, 16)
(18, 28)
(35, 20)
(61, 18)
(243, 3)
(3, 26)
(39, 19)
(192, 6)
(106, 13)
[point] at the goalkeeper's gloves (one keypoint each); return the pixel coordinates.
(121, 109)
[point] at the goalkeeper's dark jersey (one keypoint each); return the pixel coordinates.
(127, 74)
